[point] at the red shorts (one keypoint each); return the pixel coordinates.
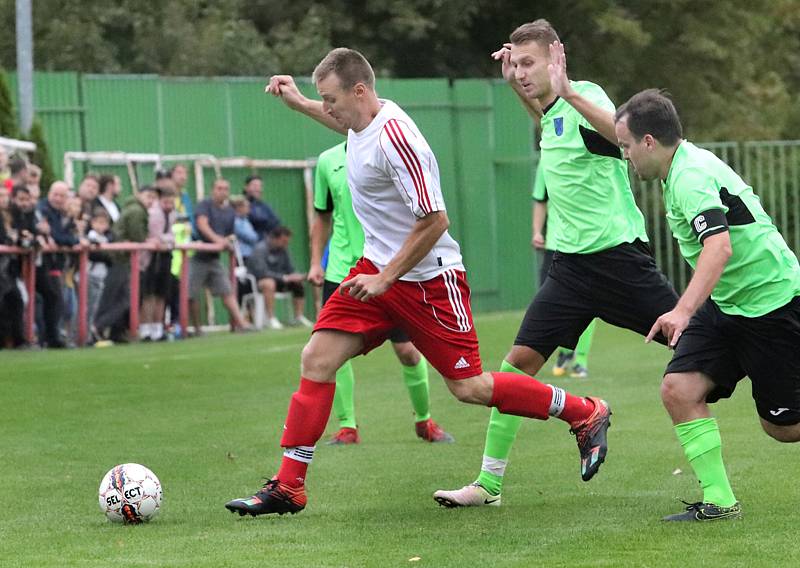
(434, 313)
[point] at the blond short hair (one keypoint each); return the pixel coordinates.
(349, 66)
(238, 201)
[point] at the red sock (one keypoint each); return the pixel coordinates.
(292, 472)
(309, 410)
(521, 395)
(576, 408)
(525, 396)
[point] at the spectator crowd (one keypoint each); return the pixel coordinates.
(161, 214)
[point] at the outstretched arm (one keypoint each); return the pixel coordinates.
(284, 87)
(531, 106)
(601, 119)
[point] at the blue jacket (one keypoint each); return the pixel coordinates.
(62, 228)
(262, 217)
(246, 235)
(63, 232)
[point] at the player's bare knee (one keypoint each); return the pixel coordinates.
(785, 434)
(473, 390)
(525, 359)
(670, 394)
(681, 389)
(315, 364)
(462, 390)
(407, 354)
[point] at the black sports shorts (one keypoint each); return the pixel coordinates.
(157, 275)
(727, 348)
(621, 285)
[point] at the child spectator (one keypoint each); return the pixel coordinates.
(76, 223)
(246, 239)
(99, 261)
(156, 283)
(246, 235)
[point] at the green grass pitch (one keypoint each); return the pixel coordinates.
(206, 416)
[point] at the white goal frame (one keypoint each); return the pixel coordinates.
(199, 161)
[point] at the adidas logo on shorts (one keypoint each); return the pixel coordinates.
(461, 364)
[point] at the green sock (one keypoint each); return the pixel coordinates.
(584, 344)
(703, 447)
(343, 398)
(416, 379)
(500, 437)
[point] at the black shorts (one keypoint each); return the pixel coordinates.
(544, 269)
(621, 285)
(727, 348)
(156, 277)
(296, 288)
(397, 335)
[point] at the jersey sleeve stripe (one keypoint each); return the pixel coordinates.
(402, 155)
(411, 161)
(409, 170)
(393, 130)
(415, 163)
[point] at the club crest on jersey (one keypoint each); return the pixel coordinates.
(558, 123)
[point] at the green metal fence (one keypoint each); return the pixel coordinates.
(482, 138)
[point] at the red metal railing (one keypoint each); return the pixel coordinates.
(28, 257)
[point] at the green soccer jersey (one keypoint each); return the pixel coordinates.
(331, 193)
(763, 274)
(587, 180)
(551, 225)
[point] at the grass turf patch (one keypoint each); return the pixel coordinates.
(206, 415)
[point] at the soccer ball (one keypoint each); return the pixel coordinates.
(130, 493)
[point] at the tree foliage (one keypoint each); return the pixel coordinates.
(8, 120)
(41, 157)
(733, 67)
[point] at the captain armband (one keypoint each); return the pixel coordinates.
(709, 222)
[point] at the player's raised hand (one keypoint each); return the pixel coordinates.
(671, 325)
(364, 286)
(504, 56)
(557, 69)
(283, 86)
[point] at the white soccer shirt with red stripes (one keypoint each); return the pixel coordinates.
(394, 181)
